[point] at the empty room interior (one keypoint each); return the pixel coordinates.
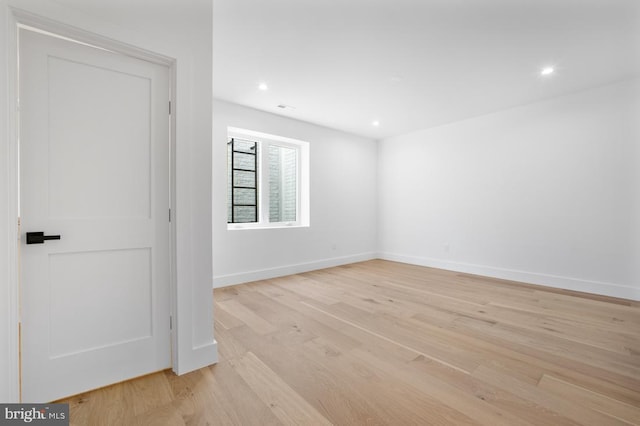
(245, 212)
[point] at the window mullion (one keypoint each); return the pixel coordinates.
(298, 183)
(283, 187)
(264, 183)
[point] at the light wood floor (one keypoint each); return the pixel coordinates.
(386, 343)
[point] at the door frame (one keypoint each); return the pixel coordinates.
(19, 17)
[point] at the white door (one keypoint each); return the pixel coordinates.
(94, 169)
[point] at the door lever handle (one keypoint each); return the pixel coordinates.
(40, 238)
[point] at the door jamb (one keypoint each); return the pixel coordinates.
(13, 208)
(17, 17)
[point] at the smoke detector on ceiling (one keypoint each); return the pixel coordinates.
(283, 106)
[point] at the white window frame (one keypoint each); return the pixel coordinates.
(265, 140)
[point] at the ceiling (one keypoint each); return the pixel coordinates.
(167, 15)
(413, 64)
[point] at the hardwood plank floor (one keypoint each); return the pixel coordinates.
(380, 342)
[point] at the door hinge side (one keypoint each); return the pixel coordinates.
(170, 322)
(169, 107)
(169, 215)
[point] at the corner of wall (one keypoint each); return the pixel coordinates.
(196, 358)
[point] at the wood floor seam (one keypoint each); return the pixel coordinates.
(389, 340)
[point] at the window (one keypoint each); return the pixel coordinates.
(267, 181)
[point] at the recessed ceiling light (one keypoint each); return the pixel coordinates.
(375, 123)
(547, 71)
(263, 86)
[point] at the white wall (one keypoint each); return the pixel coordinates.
(547, 193)
(342, 210)
(190, 44)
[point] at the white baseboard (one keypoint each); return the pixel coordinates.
(199, 357)
(264, 274)
(567, 283)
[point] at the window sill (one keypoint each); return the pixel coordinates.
(250, 226)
